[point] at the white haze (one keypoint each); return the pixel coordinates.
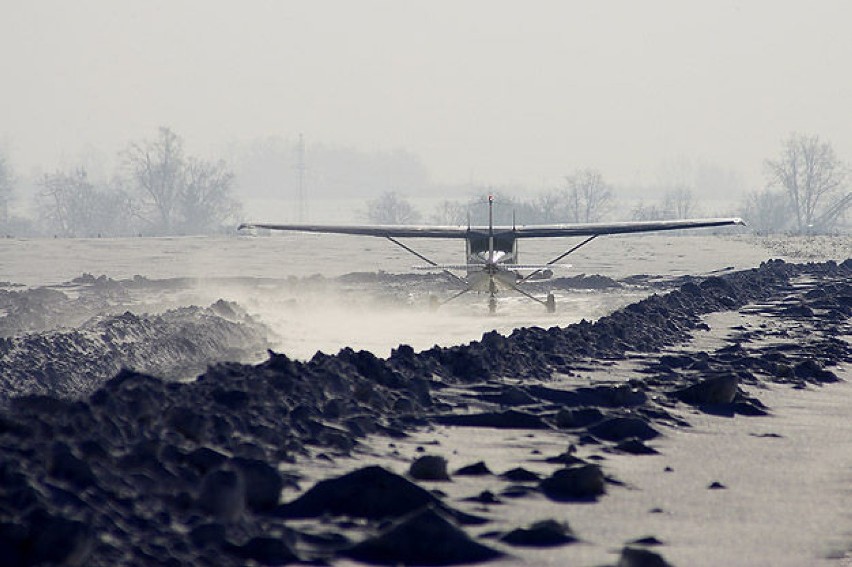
(311, 313)
(484, 92)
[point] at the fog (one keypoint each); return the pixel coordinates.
(474, 93)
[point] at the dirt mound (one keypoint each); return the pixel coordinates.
(177, 344)
(151, 471)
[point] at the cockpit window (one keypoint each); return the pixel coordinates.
(504, 243)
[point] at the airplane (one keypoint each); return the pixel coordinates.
(492, 251)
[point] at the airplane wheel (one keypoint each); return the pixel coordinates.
(492, 306)
(433, 303)
(550, 304)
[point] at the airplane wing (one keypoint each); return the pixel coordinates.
(393, 231)
(527, 231)
(591, 229)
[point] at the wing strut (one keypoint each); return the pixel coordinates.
(538, 271)
(534, 298)
(459, 294)
(424, 258)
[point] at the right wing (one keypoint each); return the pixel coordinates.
(393, 231)
(591, 229)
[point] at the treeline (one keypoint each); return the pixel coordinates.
(158, 190)
(584, 198)
(806, 192)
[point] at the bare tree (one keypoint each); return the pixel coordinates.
(183, 194)
(588, 196)
(205, 199)
(451, 213)
(552, 207)
(767, 211)
(6, 189)
(61, 192)
(810, 173)
(157, 168)
(391, 208)
(73, 206)
(643, 212)
(679, 202)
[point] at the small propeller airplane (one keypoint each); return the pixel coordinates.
(492, 251)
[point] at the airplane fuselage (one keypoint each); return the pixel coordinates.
(505, 248)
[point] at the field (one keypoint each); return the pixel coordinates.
(677, 405)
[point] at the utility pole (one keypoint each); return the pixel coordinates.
(300, 168)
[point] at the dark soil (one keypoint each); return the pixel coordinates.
(149, 471)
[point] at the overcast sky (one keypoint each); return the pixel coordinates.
(483, 91)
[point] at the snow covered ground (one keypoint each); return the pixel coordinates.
(785, 478)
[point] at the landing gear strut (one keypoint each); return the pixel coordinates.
(550, 304)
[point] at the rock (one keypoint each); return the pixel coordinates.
(425, 537)
(518, 490)
(638, 557)
(574, 483)
(750, 407)
(65, 466)
(266, 551)
(13, 544)
(801, 311)
(370, 492)
(570, 418)
(566, 458)
(223, 494)
(262, 481)
(476, 469)
(188, 422)
(57, 540)
(484, 497)
(715, 390)
(205, 459)
(620, 428)
(509, 396)
(810, 369)
(635, 446)
(647, 540)
(429, 467)
(207, 535)
(520, 474)
(231, 399)
(546, 533)
(675, 360)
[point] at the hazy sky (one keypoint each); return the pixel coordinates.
(482, 90)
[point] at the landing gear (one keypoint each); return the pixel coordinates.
(434, 303)
(492, 305)
(492, 291)
(550, 303)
